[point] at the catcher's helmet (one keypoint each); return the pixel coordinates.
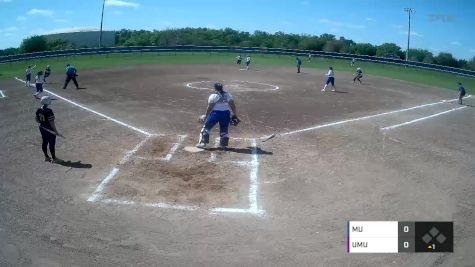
(45, 100)
(218, 86)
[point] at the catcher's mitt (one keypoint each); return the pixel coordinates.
(235, 120)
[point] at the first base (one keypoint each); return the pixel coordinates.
(193, 149)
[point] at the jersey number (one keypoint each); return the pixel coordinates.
(41, 117)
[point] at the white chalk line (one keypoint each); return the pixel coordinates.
(164, 205)
(274, 87)
(253, 188)
(366, 117)
(212, 156)
(95, 112)
(98, 192)
(2, 94)
(420, 119)
(175, 146)
(100, 188)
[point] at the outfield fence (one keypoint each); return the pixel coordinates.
(231, 49)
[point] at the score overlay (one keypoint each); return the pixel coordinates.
(395, 236)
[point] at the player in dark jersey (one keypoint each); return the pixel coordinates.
(358, 75)
(461, 92)
(45, 117)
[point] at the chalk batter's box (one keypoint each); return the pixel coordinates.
(395, 236)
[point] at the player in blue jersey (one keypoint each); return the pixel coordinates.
(220, 106)
(70, 75)
(461, 92)
(299, 63)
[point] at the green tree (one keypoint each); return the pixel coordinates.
(388, 49)
(33, 44)
(446, 59)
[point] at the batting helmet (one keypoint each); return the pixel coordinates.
(45, 100)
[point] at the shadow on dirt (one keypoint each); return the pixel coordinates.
(247, 150)
(75, 165)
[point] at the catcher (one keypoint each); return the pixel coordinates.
(220, 106)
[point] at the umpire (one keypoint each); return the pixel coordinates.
(45, 117)
(70, 75)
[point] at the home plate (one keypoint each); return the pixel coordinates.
(193, 149)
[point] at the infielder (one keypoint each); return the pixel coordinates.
(461, 92)
(238, 60)
(330, 79)
(70, 75)
(309, 57)
(248, 61)
(45, 118)
(358, 75)
(39, 80)
(299, 63)
(220, 106)
(47, 72)
(28, 71)
(353, 62)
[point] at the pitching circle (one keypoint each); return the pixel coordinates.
(234, 86)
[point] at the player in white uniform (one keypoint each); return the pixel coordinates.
(330, 79)
(28, 71)
(39, 80)
(248, 62)
(220, 106)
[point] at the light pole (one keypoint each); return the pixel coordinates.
(102, 18)
(409, 12)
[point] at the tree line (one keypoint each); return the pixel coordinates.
(229, 37)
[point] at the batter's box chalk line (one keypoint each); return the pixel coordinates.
(252, 165)
(174, 147)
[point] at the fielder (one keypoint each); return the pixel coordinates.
(28, 71)
(45, 118)
(330, 79)
(70, 75)
(248, 61)
(299, 63)
(220, 106)
(461, 92)
(238, 60)
(358, 75)
(353, 62)
(47, 72)
(309, 57)
(39, 80)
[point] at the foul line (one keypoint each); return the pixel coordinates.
(95, 112)
(420, 119)
(367, 117)
(98, 192)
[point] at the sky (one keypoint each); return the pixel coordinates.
(436, 25)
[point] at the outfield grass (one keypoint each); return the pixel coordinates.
(419, 76)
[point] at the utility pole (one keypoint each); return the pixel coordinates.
(102, 19)
(409, 12)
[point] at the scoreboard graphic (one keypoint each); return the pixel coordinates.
(395, 237)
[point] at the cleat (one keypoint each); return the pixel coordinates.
(47, 159)
(201, 145)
